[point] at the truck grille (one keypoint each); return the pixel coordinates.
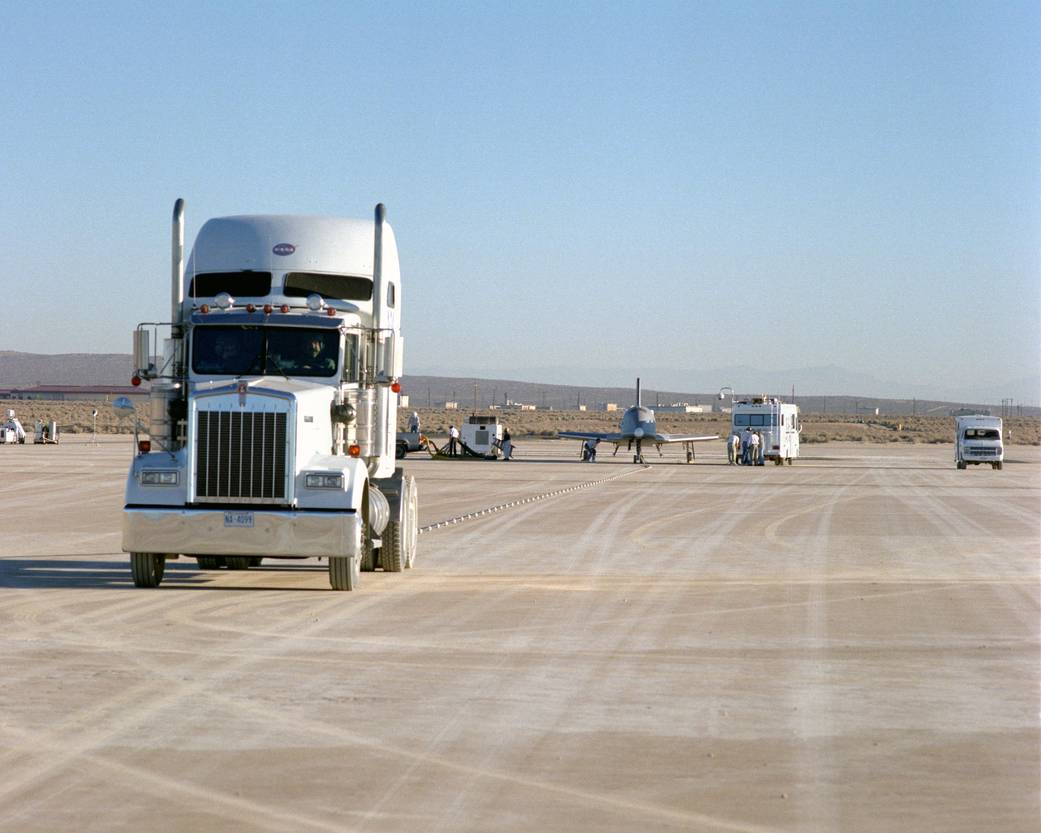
(984, 452)
(241, 456)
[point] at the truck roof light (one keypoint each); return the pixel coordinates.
(315, 302)
(354, 450)
(205, 308)
(251, 307)
(224, 300)
(267, 309)
(284, 308)
(144, 446)
(135, 380)
(330, 311)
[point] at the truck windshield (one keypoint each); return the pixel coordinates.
(258, 351)
(982, 434)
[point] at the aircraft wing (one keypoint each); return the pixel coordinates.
(682, 438)
(591, 435)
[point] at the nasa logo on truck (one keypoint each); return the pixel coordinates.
(283, 249)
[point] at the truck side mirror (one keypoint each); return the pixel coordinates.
(143, 366)
(390, 353)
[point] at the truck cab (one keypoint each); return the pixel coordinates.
(273, 407)
(977, 439)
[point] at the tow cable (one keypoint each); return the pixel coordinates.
(502, 507)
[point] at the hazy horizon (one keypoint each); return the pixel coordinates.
(677, 187)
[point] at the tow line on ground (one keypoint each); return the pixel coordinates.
(524, 501)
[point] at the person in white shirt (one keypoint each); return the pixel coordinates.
(453, 441)
(734, 447)
(757, 449)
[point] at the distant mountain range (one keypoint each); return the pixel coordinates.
(818, 389)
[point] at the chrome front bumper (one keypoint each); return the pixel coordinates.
(273, 533)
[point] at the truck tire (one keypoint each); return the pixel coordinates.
(147, 568)
(401, 452)
(237, 562)
(997, 466)
(961, 464)
(208, 562)
(344, 572)
(400, 537)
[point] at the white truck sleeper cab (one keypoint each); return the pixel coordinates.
(274, 408)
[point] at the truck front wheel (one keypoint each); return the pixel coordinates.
(402, 451)
(961, 464)
(400, 537)
(344, 573)
(147, 568)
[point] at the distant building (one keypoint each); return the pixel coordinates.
(608, 406)
(403, 400)
(581, 407)
(451, 406)
(680, 408)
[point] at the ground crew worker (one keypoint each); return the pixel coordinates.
(746, 447)
(453, 441)
(757, 449)
(507, 444)
(413, 423)
(589, 450)
(734, 447)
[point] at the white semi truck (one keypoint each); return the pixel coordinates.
(274, 403)
(977, 439)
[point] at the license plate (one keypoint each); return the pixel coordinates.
(238, 519)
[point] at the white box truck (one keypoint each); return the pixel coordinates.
(273, 406)
(777, 423)
(977, 439)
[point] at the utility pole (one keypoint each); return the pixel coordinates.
(475, 398)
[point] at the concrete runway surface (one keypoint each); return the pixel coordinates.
(847, 644)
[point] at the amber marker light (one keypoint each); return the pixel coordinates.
(144, 446)
(330, 311)
(135, 381)
(267, 309)
(354, 450)
(205, 308)
(284, 308)
(251, 307)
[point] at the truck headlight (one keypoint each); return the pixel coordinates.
(323, 481)
(153, 477)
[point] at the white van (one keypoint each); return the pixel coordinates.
(776, 422)
(977, 440)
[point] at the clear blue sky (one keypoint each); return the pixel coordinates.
(583, 186)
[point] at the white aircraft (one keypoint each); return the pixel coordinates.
(638, 426)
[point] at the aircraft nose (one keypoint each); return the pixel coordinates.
(638, 433)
